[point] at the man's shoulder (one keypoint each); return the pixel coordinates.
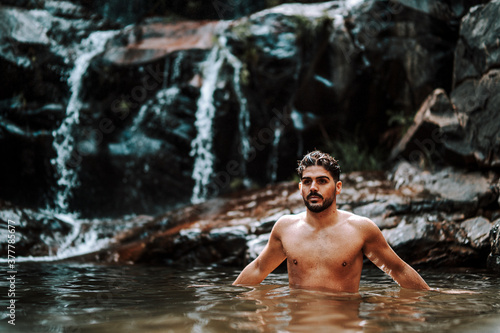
(291, 218)
(358, 220)
(288, 220)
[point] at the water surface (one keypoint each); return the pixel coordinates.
(70, 297)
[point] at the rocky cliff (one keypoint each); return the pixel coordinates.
(106, 119)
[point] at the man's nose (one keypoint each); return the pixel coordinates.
(314, 186)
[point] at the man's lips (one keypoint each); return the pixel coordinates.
(314, 196)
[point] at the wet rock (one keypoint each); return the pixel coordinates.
(36, 55)
(36, 234)
(425, 141)
(476, 102)
(389, 42)
(420, 240)
(463, 130)
(152, 41)
(477, 231)
(144, 148)
(494, 257)
(66, 9)
(46, 236)
(477, 50)
(215, 232)
(443, 9)
(26, 136)
(473, 188)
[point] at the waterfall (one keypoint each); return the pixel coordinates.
(157, 105)
(63, 138)
(177, 67)
(201, 147)
(274, 157)
(203, 143)
(244, 114)
(298, 125)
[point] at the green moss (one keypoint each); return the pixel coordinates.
(354, 154)
(245, 75)
(399, 119)
(243, 30)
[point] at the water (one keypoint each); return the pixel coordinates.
(71, 297)
(68, 159)
(274, 156)
(244, 114)
(201, 147)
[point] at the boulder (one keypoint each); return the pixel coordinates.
(397, 54)
(213, 232)
(477, 49)
(476, 102)
(425, 142)
(150, 41)
(462, 130)
(41, 235)
(494, 257)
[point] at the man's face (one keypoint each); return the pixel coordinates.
(318, 188)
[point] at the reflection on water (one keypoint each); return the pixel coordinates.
(64, 297)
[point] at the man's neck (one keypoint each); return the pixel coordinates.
(326, 218)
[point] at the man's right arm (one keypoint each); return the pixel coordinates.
(270, 258)
(381, 254)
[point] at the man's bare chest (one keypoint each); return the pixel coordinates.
(331, 249)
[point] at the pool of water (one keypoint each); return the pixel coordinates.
(69, 297)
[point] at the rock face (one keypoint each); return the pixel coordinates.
(115, 130)
(137, 138)
(426, 142)
(494, 257)
(462, 129)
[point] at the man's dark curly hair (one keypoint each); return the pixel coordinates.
(323, 159)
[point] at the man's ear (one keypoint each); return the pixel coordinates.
(338, 187)
(300, 186)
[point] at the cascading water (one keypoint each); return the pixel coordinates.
(63, 136)
(244, 114)
(274, 157)
(203, 143)
(201, 147)
(298, 125)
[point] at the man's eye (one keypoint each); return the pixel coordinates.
(306, 182)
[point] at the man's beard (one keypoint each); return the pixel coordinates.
(318, 208)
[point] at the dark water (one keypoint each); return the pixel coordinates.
(65, 297)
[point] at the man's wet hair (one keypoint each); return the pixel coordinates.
(319, 158)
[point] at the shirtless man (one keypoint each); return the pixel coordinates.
(324, 246)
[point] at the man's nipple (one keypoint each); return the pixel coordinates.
(295, 261)
(344, 264)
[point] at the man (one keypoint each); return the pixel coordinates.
(324, 246)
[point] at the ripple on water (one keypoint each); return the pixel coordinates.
(66, 297)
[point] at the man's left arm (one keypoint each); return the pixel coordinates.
(378, 251)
